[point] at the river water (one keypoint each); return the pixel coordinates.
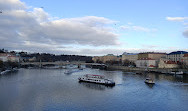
(53, 90)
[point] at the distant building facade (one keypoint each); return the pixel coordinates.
(104, 59)
(176, 56)
(5, 57)
(146, 63)
(28, 59)
(133, 57)
(185, 59)
(149, 59)
(165, 63)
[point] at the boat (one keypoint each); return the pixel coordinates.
(6, 71)
(99, 79)
(149, 81)
(14, 69)
(177, 72)
(68, 72)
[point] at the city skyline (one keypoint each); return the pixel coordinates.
(94, 27)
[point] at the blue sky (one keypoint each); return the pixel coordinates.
(127, 25)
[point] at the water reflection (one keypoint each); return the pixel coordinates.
(94, 86)
(150, 85)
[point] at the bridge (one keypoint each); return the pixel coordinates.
(58, 63)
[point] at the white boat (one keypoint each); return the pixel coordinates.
(6, 71)
(149, 81)
(99, 79)
(177, 72)
(14, 69)
(68, 71)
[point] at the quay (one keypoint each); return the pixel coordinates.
(156, 70)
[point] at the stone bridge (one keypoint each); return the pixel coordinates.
(59, 63)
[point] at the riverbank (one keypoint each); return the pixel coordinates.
(157, 70)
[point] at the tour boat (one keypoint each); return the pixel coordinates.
(99, 79)
(177, 72)
(149, 81)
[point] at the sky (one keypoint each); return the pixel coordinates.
(97, 27)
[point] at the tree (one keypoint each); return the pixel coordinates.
(1, 64)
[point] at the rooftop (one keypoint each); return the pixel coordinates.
(177, 52)
(152, 53)
(185, 55)
(125, 53)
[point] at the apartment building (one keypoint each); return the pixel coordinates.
(176, 56)
(149, 59)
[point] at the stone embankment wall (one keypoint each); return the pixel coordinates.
(158, 70)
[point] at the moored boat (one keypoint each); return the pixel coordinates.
(149, 81)
(177, 72)
(99, 79)
(6, 71)
(68, 71)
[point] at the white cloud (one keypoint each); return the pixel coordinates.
(26, 30)
(137, 28)
(6, 5)
(180, 19)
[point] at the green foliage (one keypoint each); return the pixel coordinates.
(1, 64)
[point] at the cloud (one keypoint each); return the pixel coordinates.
(179, 19)
(137, 28)
(35, 29)
(11, 5)
(185, 33)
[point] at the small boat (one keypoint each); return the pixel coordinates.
(99, 79)
(149, 81)
(14, 69)
(6, 71)
(68, 72)
(177, 72)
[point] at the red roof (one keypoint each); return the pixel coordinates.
(152, 66)
(185, 55)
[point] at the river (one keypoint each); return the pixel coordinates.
(53, 90)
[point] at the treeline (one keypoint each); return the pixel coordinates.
(47, 57)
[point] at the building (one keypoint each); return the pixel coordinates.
(146, 63)
(185, 59)
(13, 58)
(5, 57)
(97, 59)
(176, 56)
(104, 59)
(151, 55)
(165, 63)
(149, 59)
(28, 59)
(130, 57)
